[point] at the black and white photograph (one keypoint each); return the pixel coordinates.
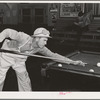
(50, 47)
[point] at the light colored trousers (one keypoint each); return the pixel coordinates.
(18, 65)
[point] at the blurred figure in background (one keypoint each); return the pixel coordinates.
(81, 24)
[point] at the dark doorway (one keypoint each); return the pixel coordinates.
(26, 24)
(26, 15)
(39, 16)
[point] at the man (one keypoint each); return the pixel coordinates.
(23, 43)
(80, 26)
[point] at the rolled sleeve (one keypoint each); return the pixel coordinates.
(13, 34)
(8, 33)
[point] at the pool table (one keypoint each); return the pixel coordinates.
(91, 69)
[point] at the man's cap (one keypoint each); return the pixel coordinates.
(41, 32)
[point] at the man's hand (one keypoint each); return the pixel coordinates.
(78, 62)
(76, 23)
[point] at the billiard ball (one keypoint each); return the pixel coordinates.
(60, 65)
(91, 70)
(98, 64)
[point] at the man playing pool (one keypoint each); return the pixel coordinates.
(23, 43)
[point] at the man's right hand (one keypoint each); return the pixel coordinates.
(78, 62)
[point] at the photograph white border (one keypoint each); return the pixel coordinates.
(50, 95)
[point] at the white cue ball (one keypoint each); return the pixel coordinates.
(98, 64)
(91, 70)
(60, 65)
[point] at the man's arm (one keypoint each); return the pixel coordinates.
(59, 58)
(13, 34)
(7, 33)
(79, 23)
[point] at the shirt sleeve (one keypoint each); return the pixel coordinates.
(13, 34)
(56, 57)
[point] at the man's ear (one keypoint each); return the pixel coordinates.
(37, 38)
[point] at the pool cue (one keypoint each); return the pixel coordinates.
(25, 54)
(33, 55)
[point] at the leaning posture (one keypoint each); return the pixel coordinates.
(24, 43)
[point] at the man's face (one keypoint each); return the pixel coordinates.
(42, 42)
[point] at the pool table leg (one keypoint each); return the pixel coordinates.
(44, 78)
(43, 72)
